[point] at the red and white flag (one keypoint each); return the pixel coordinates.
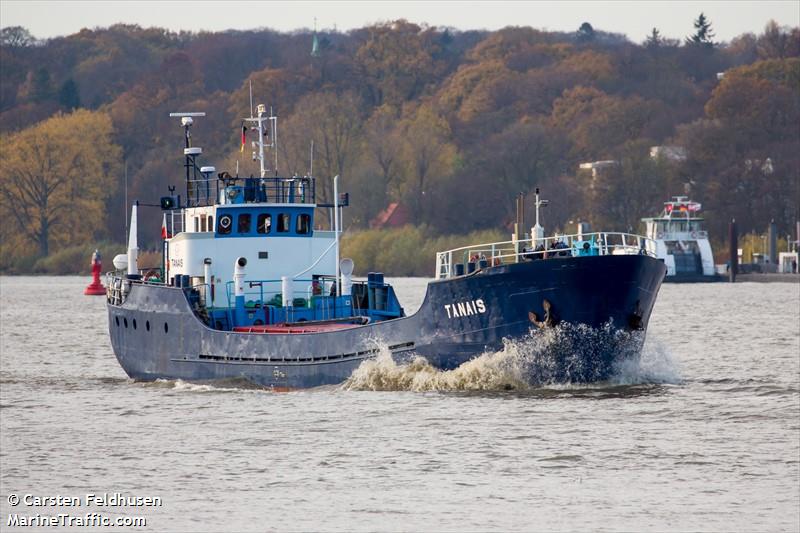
(164, 233)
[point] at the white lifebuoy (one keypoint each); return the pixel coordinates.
(225, 221)
(694, 235)
(659, 235)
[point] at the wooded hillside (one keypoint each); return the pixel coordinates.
(451, 124)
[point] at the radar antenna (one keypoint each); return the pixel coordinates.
(191, 153)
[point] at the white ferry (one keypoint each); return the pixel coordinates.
(681, 242)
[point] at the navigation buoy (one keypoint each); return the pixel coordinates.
(95, 288)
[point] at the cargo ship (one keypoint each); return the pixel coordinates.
(252, 288)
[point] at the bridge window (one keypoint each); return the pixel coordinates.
(202, 223)
(196, 224)
(264, 223)
(283, 223)
(303, 224)
(225, 224)
(210, 223)
(244, 223)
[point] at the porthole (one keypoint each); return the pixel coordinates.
(166, 328)
(134, 323)
(125, 320)
(147, 325)
(116, 319)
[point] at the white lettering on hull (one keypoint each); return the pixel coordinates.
(466, 308)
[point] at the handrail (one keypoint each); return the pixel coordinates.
(323, 254)
(596, 243)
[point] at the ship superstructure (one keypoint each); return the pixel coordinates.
(681, 241)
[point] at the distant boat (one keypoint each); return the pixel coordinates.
(251, 288)
(682, 242)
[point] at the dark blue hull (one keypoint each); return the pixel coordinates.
(155, 334)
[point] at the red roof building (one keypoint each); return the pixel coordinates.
(394, 216)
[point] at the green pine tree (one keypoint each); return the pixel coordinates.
(586, 33)
(653, 40)
(68, 95)
(41, 87)
(703, 34)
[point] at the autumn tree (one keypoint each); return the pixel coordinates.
(16, 37)
(525, 155)
(375, 176)
(619, 196)
(752, 117)
(56, 178)
(478, 90)
(597, 123)
(398, 61)
(333, 122)
(383, 143)
(428, 155)
(778, 42)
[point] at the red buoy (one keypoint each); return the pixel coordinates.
(95, 288)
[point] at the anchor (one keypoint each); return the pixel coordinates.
(635, 319)
(550, 319)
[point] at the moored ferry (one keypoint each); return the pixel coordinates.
(251, 288)
(682, 242)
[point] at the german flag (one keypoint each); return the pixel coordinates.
(244, 137)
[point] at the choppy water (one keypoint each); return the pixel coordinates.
(702, 434)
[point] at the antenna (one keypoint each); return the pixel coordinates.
(311, 169)
(251, 98)
(126, 197)
(274, 123)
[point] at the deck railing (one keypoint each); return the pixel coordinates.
(260, 293)
(118, 284)
(588, 244)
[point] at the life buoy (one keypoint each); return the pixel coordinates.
(659, 235)
(694, 235)
(225, 221)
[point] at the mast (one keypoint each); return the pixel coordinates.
(538, 230)
(261, 111)
(336, 231)
(259, 120)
